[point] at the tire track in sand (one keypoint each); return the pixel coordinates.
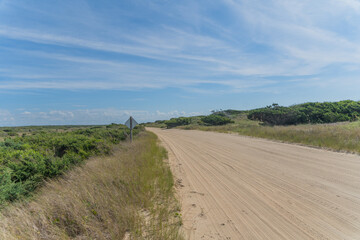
(234, 187)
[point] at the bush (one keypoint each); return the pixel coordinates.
(174, 122)
(327, 112)
(216, 119)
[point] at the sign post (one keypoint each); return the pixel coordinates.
(131, 123)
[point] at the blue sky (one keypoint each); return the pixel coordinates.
(95, 62)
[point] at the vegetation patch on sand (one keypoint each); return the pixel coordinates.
(126, 194)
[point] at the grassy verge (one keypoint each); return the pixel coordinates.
(339, 137)
(127, 195)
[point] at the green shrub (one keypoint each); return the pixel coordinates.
(327, 112)
(26, 160)
(216, 119)
(174, 122)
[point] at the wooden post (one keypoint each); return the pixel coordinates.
(131, 123)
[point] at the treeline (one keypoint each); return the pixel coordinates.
(215, 119)
(27, 158)
(314, 112)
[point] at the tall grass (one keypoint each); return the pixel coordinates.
(127, 195)
(339, 137)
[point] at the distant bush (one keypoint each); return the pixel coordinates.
(327, 112)
(160, 121)
(216, 119)
(233, 112)
(174, 122)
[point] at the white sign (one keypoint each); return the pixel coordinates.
(131, 123)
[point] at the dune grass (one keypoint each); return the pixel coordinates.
(127, 195)
(338, 137)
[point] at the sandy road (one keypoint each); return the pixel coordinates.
(234, 187)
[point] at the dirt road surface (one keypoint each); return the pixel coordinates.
(234, 187)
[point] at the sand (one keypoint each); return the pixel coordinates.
(235, 187)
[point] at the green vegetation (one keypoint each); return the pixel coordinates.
(216, 120)
(174, 122)
(28, 155)
(327, 112)
(128, 194)
(158, 123)
(311, 124)
(339, 137)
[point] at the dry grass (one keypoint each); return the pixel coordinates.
(129, 193)
(339, 137)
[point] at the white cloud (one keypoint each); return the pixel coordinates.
(261, 40)
(154, 46)
(6, 118)
(85, 116)
(352, 4)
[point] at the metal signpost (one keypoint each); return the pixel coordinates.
(131, 123)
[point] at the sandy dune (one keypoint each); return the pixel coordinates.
(234, 187)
